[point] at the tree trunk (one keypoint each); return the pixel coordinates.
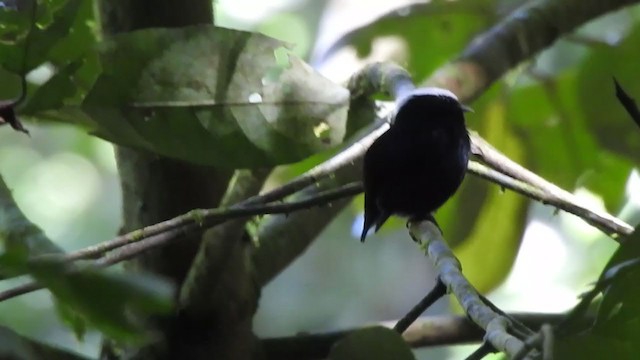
(156, 188)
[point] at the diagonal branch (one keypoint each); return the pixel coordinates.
(524, 33)
(606, 222)
(128, 246)
(449, 271)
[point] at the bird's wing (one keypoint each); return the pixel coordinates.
(373, 168)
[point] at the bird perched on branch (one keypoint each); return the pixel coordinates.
(419, 163)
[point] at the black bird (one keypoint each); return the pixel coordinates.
(415, 167)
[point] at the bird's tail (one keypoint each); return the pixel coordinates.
(367, 225)
(373, 217)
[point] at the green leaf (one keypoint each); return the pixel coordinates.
(113, 303)
(496, 218)
(214, 96)
(609, 122)
(431, 33)
(42, 40)
(590, 346)
(562, 146)
(51, 95)
(72, 319)
(374, 343)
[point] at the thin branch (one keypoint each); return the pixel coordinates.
(552, 194)
(449, 272)
(484, 350)
(438, 291)
(139, 241)
(19, 290)
(627, 102)
(196, 219)
(603, 221)
(134, 248)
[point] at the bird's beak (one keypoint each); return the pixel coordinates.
(465, 108)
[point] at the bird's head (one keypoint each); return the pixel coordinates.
(429, 104)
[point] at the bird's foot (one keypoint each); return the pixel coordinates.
(425, 218)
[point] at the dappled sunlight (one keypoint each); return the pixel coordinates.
(66, 183)
(538, 280)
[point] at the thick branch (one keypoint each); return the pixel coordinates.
(427, 331)
(524, 33)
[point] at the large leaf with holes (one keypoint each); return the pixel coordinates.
(214, 96)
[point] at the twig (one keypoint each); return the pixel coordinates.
(449, 272)
(484, 350)
(19, 290)
(628, 103)
(532, 343)
(207, 217)
(438, 291)
(133, 248)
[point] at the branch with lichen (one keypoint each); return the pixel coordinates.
(496, 326)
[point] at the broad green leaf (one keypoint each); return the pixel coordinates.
(51, 95)
(561, 146)
(607, 119)
(115, 304)
(214, 96)
(72, 319)
(112, 303)
(374, 343)
(590, 346)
